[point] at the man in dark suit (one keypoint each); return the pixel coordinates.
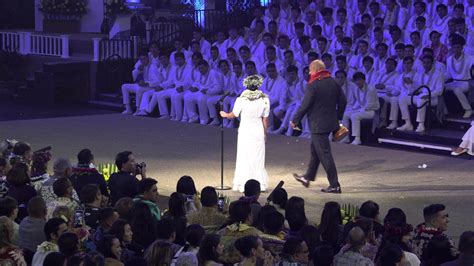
(324, 102)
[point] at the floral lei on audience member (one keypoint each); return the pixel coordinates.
(238, 227)
(422, 228)
(48, 247)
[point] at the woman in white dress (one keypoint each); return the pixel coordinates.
(253, 108)
(467, 144)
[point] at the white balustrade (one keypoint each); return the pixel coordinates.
(125, 48)
(28, 43)
(10, 41)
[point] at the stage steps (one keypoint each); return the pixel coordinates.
(440, 139)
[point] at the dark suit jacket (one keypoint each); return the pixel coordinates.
(324, 102)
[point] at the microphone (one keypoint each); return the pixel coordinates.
(224, 95)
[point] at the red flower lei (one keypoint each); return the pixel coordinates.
(319, 75)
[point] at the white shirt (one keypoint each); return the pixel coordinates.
(459, 68)
(406, 88)
(235, 43)
(433, 79)
(208, 82)
(275, 89)
(181, 76)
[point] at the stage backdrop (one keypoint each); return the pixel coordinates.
(89, 22)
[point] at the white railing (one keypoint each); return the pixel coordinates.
(49, 45)
(10, 41)
(125, 48)
(27, 43)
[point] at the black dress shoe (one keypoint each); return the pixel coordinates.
(336, 190)
(301, 179)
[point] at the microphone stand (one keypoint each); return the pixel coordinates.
(222, 187)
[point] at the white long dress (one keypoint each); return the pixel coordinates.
(468, 139)
(250, 163)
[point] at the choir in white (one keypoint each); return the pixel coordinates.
(380, 52)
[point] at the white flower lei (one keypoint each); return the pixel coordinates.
(253, 81)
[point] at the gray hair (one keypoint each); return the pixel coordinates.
(356, 238)
(61, 165)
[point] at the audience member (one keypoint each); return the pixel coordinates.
(124, 183)
(369, 250)
(9, 253)
(186, 186)
(252, 251)
(62, 168)
(31, 231)
(210, 250)
(295, 252)
(323, 255)
(53, 228)
(237, 226)
(21, 153)
(392, 255)
(92, 199)
(466, 249)
(68, 244)
(9, 208)
(148, 194)
(312, 237)
(19, 187)
(124, 207)
(63, 189)
(159, 253)
(106, 218)
(436, 223)
(369, 209)
(167, 232)
(187, 255)
(437, 251)
(177, 214)
(110, 247)
(352, 256)
(251, 194)
(208, 216)
(258, 222)
(331, 227)
(143, 225)
(85, 173)
(122, 230)
(54, 259)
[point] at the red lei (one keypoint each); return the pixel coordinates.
(320, 75)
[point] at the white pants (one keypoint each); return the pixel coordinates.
(160, 98)
(177, 99)
(459, 88)
(136, 89)
(146, 101)
(393, 116)
(212, 106)
(355, 116)
(191, 101)
(404, 101)
(228, 106)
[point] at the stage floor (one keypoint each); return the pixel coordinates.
(172, 149)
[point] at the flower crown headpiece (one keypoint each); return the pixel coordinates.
(253, 81)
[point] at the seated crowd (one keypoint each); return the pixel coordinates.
(380, 52)
(81, 222)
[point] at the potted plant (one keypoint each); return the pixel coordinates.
(62, 16)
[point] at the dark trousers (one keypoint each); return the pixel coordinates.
(321, 153)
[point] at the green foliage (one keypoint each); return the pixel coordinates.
(106, 169)
(348, 212)
(53, 8)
